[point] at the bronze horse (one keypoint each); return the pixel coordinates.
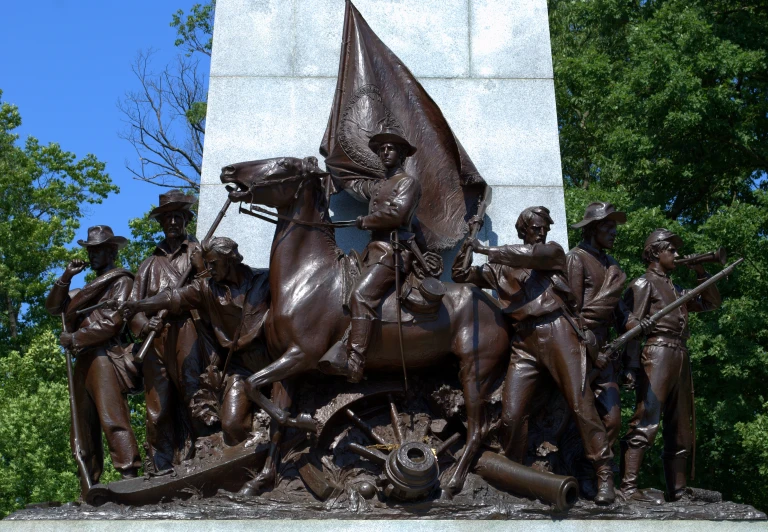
(307, 317)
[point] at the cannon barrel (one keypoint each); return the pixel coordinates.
(557, 490)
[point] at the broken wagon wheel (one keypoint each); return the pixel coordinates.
(410, 468)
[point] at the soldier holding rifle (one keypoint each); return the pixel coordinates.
(175, 360)
(662, 373)
(104, 372)
(597, 283)
(530, 281)
(233, 302)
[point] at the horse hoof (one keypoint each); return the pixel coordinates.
(255, 487)
(453, 487)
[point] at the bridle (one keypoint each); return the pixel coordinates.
(254, 209)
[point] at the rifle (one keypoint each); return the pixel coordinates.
(109, 303)
(611, 350)
(485, 200)
(78, 452)
(180, 282)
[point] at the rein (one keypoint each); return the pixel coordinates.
(253, 207)
(346, 223)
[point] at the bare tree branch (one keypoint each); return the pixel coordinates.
(165, 122)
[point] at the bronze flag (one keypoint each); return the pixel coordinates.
(375, 90)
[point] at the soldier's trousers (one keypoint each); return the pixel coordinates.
(608, 394)
(236, 410)
(549, 345)
(374, 283)
(172, 372)
(663, 390)
(102, 405)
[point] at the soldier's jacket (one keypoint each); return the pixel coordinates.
(596, 282)
(392, 205)
(653, 291)
(100, 327)
(224, 307)
(159, 272)
(528, 278)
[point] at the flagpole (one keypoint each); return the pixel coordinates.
(342, 62)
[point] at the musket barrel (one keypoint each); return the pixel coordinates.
(637, 331)
(77, 439)
(484, 202)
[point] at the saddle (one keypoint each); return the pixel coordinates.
(420, 297)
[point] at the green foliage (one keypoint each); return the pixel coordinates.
(35, 458)
(662, 110)
(43, 190)
(194, 31)
(667, 98)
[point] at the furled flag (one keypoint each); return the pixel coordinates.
(376, 90)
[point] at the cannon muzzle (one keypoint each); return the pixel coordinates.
(557, 490)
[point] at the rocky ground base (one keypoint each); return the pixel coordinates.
(477, 501)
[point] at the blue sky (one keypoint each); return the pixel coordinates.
(66, 64)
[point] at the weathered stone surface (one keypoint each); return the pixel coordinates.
(510, 39)
(430, 36)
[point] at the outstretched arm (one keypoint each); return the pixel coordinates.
(482, 276)
(549, 256)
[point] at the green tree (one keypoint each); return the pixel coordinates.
(663, 110)
(43, 192)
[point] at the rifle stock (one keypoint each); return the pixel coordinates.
(182, 280)
(482, 207)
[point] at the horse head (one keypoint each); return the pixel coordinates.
(271, 182)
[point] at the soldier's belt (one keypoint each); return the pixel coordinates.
(661, 340)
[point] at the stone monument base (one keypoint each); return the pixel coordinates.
(478, 501)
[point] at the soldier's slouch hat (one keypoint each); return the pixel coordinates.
(174, 200)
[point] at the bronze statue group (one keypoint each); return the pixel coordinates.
(558, 310)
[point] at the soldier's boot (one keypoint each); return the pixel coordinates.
(359, 340)
(674, 475)
(631, 461)
(605, 492)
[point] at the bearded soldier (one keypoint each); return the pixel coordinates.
(663, 372)
(529, 279)
(174, 362)
(104, 372)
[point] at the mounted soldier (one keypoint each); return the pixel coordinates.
(392, 204)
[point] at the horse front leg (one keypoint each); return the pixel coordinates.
(283, 397)
(292, 363)
(476, 426)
